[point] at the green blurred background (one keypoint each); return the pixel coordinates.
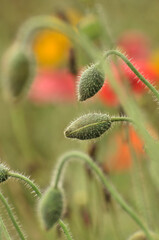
(32, 139)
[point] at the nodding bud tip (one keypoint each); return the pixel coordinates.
(3, 173)
(18, 73)
(91, 81)
(89, 126)
(141, 236)
(50, 207)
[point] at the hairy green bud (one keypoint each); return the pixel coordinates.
(89, 126)
(17, 73)
(3, 173)
(50, 207)
(91, 81)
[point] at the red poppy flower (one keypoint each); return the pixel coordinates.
(53, 86)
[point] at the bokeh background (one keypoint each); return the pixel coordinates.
(31, 132)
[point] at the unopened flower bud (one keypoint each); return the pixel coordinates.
(3, 173)
(17, 73)
(89, 126)
(91, 81)
(141, 236)
(50, 207)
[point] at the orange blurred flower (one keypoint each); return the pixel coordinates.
(51, 48)
(122, 159)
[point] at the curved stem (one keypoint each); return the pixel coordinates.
(137, 73)
(33, 25)
(12, 217)
(27, 180)
(65, 230)
(105, 182)
(121, 119)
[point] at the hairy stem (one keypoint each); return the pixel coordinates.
(27, 180)
(12, 216)
(65, 230)
(137, 73)
(105, 182)
(121, 119)
(4, 230)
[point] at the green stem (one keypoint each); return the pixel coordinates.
(4, 230)
(12, 217)
(120, 119)
(105, 182)
(65, 230)
(137, 73)
(27, 180)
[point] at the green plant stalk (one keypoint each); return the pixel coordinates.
(21, 235)
(137, 73)
(4, 230)
(27, 180)
(121, 119)
(105, 182)
(65, 230)
(39, 194)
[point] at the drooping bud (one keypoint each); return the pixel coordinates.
(89, 126)
(50, 207)
(17, 73)
(91, 81)
(3, 173)
(141, 236)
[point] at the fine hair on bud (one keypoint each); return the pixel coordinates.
(3, 173)
(18, 72)
(91, 81)
(50, 207)
(88, 126)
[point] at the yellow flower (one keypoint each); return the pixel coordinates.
(51, 48)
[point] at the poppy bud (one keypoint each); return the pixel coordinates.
(50, 207)
(141, 236)
(89, 126)
(3, 173)
(18, 73)
(91, 81)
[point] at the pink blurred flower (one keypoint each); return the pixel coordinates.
(53, 86)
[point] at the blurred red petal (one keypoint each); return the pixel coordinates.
(145, 69)
(135, 44)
